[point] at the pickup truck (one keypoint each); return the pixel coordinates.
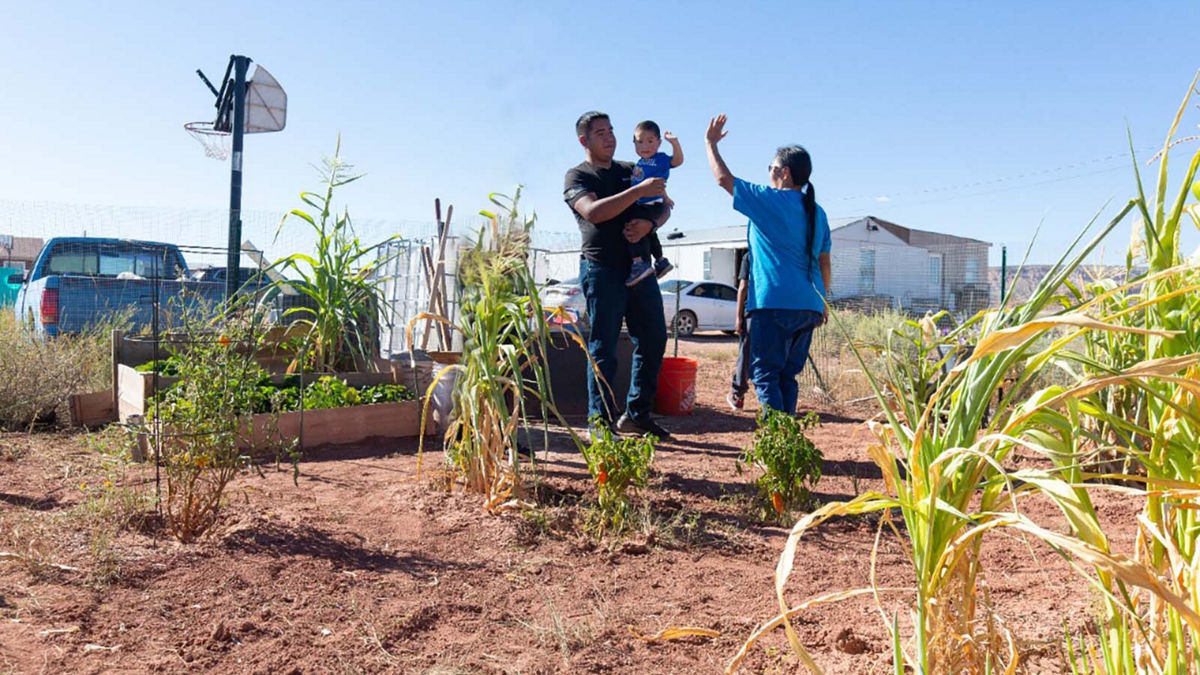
(80, 281)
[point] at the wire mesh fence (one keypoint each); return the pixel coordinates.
(901, 275)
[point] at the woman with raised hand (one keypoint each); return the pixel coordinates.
(789, 241)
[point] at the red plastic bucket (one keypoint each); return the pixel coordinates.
(676, 387)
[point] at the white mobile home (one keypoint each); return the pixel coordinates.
(874, 262)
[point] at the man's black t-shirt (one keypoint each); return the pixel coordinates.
(603, 243)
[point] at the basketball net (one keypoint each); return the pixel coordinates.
(216, 143)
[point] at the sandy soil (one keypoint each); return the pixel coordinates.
(364, 567)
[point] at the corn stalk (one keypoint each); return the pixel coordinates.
(505, 346)
(339, 279)
(943, 461)
(1155, 424)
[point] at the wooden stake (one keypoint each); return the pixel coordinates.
(443, 235)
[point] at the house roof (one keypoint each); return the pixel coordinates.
(737, 234)
(23, 248)
(913, 237)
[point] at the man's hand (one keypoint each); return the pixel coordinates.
(824, 318)
(739, 327)
(651, 187)
(636, 229)
(716, 130)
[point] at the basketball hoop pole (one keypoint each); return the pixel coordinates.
(240, 65)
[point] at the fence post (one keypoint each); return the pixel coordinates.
(1003, 274)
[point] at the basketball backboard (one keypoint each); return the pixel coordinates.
(266, 104)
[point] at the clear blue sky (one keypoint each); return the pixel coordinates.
(978, 119)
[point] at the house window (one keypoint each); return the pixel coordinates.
(971, 271)
(935, 271)
(708, 264)
(866, 271)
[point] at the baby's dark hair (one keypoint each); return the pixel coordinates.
(799, 162)
(648, 126)
(584, 124)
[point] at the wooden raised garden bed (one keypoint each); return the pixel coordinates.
(311, 428)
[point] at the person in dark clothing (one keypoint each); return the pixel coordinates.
(602, 199)
(740, 383)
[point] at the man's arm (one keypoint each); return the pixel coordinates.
(716, 132)
(742, 292)
(637, 228)
(826, 275)
(597, 211)
(676, 149)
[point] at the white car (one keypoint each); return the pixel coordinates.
(703, 305)
(569, 296)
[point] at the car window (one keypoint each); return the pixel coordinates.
(725, 293)
(702, 291)
(672, 285)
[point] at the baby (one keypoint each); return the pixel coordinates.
(651, 164)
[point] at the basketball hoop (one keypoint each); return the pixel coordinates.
(216, 143)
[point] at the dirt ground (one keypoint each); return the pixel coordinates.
(364, 567)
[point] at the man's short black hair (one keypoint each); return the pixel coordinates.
(647, 125)
(584, 124)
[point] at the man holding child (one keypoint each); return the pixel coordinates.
(604, 201)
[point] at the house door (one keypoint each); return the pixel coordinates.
(722, 265)
(866, 271)
(935, 278)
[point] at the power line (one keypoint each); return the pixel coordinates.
(1060, 179)
(1074, 166)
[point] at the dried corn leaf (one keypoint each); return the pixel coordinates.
(1129, 571)
(674, 633)
(864, 503)
(807, 604)
(1007, 338)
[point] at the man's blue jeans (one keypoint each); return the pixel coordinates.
(609, 302)
(779, 346)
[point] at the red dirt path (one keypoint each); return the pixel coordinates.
(361, 567)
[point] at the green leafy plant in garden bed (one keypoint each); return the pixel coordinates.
(331, 392)
(272, 395)
(616, 464)
(165, 367)
(790, 463)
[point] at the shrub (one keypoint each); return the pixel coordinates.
(201, 418)
(615, 465)
(40, 374)
(834, 350)
(788, 459)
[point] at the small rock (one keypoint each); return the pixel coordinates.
(220, 633)
(634, 548)
(846, 641)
